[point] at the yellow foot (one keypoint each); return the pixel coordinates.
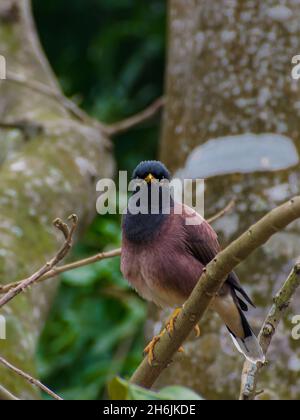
(197, 330)
(170, 326)
(150, 347)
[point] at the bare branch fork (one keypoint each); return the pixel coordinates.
(28, 128)
(137, 119)
(70, 106)
(209, 284)
(54, 272)
(24, 284)
(68, 233)
(28, 378)
(281, 304)
(49, 92)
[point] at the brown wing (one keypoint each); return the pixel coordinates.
(202, 242)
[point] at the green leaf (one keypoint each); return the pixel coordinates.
(176, 392)
(119, 389)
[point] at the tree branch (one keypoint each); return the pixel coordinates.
(69, 150)
(221, 213)
(69, 105)
(28, 128)
(43, 89)
(29, 378)
(68, 267)
(95, 258)
(211, 280)
(24, 284)
(281, 304)
(7, 395)
(137, 119)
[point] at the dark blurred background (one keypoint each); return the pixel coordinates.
(109, 56)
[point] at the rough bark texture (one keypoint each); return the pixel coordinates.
(50, 173)
(229, 73)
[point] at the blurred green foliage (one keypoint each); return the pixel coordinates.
(119, 389)
(109, 56)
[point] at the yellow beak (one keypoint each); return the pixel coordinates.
(149, 178)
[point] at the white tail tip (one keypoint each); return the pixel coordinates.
(250, 348)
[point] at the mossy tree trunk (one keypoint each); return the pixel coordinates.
(46, 172)
(229, 73)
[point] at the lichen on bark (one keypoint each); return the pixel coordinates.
(229, 73)
(51, 174)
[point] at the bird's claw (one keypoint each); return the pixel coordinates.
(149, 349)
(171, 323)
(197, 330)
(170, 327)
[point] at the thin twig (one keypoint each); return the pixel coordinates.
(24, 284)
(221, 213)
(137, 119)
(281, 304)
(68, 267)
(95, 258)
(7, 395)
(210, 282)
(110, 130)
(30, 379)
(28, 128)
(48, 91)
(55, 95)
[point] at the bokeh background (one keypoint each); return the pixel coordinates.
(231, 116)
(109, 56)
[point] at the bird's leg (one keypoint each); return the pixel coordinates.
(150, 347)
(170, 327)
(171, 323)
(197, 330)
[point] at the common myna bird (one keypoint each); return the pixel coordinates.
(163, 258)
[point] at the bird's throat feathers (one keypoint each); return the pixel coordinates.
(144, 226)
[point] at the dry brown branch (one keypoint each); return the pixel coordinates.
(95, 258)
(281, 304)
(7, 395)
(221, 213)
(24, 284)
(137, 119)
(69, 105)
(68, 267)
(28, 128)
(209, 284)
(57, 96)
(29, 378)
(48, 91)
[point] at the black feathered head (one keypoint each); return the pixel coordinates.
(151, 170)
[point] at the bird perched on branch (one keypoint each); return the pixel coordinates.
(163, 257)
